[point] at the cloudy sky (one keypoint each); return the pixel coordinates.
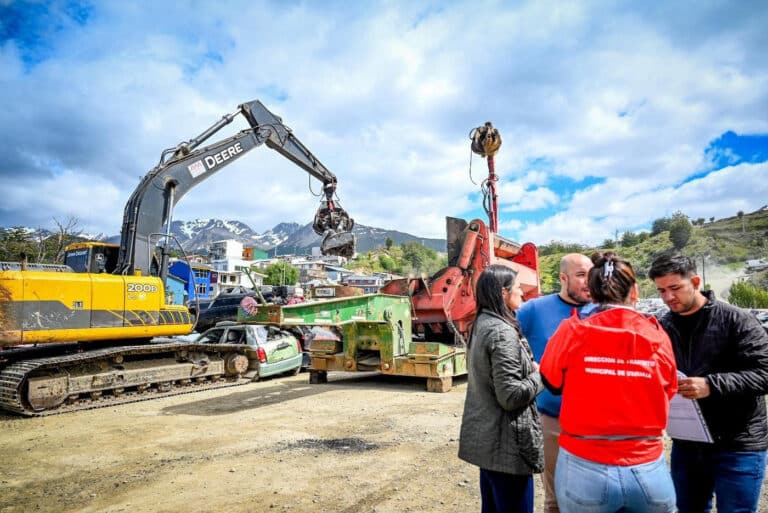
(612, 113)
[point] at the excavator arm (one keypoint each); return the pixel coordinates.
(181, 168)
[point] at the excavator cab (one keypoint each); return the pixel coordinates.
(91, 257)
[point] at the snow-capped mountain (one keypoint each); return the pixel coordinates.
(284, 237)
(198, 234)
(367, 238)
(277, 235)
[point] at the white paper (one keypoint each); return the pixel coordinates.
(685, 419)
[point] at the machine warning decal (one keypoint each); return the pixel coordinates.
(196, 168)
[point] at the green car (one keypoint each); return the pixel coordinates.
(271, 350)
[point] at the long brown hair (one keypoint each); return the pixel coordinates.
(611, 279)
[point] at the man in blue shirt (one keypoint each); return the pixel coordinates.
(539, 318)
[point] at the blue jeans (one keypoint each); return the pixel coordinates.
(735, 477)
(505, 493)
(583, 486)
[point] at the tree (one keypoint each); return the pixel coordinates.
(387, 263)
(281, 273)
(740, 215)
(421, 259)
(660, 225)
(712, 219)
(388, 243)
(66, 233)
(700, 221)
(15, 241)
(557, 247)
(680, 230)
(413, 256)
(629, 239)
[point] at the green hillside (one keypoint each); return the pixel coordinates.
(719, 247)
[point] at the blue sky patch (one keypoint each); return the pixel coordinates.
(34, 26)
(563, 187)
(273, 91)
(731, 148)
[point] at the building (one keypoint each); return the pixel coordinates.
(328, 259)
(369, 284)
(252, 253)
(227, 256)
(196, 259)
(199, 279)
(233, 262)
(337, 274)
(235, 279)
(176, 290)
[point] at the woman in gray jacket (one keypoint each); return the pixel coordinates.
(500, 429)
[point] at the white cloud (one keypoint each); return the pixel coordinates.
(613, 207)
(385, 95)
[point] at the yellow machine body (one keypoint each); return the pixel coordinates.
(39, 307)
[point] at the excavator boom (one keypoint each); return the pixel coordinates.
(183, 167)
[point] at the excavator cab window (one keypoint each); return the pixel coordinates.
(109, 256)
(77, 259)
(92, 258)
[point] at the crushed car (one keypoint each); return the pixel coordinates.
(271, 349)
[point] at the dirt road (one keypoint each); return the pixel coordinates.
(362, 443)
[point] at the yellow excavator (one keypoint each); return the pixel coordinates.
(77, 335)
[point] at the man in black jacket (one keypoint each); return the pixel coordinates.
(723, 351)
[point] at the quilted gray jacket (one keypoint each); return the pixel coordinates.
(500, 429)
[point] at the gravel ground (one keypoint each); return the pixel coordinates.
(362, 443)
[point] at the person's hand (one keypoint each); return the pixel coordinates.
(693, 388)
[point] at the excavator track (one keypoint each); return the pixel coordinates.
(54, 385)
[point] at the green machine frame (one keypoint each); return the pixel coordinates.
(372, 333)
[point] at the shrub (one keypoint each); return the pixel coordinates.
(746, 295)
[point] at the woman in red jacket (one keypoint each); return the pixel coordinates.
(616, 371)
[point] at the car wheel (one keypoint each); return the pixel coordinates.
(255, 378)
